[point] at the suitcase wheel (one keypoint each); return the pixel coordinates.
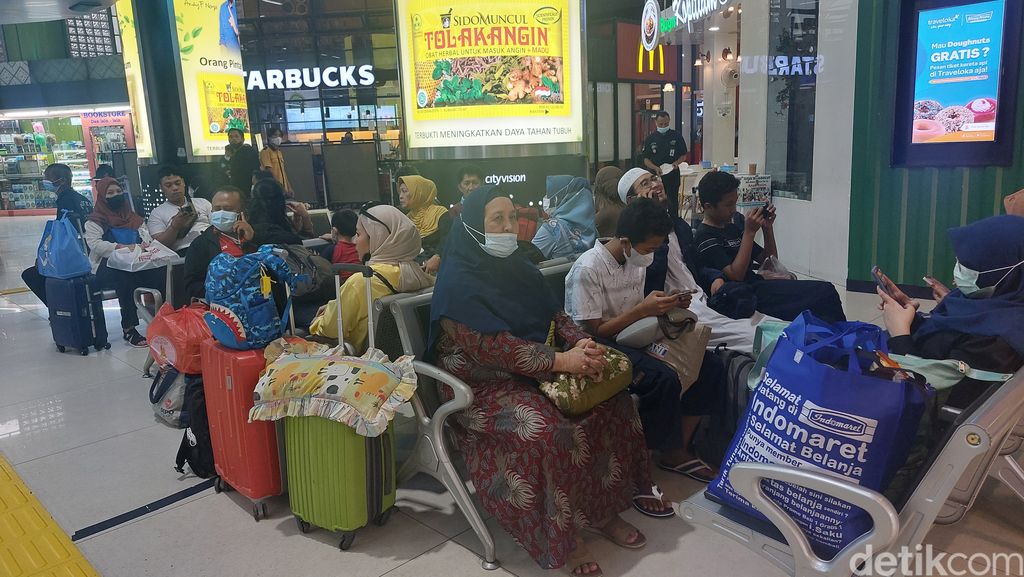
(60, 348)
(346, 541)
(382, 519)
(84, 352)
(304, 526)
(219, 486)
(104, 346)
(259, 511)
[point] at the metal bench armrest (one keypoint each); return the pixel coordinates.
(746, 479)
(462, 395)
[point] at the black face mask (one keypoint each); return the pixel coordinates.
(116, 202)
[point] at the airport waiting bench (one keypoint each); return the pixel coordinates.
(980, 444)
(401, 326)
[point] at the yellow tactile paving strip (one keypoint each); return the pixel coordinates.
(31, 542)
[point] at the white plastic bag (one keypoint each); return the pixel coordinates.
(144, 256)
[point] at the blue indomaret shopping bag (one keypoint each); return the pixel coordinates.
(60, 253)
(817, 407)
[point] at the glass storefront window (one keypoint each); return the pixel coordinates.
(792, 79)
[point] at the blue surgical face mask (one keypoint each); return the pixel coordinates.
(49, 186)
(224, 220)
(663, 129)
(967, 279)
(500, 245)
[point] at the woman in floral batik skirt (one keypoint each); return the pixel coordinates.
(544, 476)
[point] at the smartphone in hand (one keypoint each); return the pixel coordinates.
(889, 287)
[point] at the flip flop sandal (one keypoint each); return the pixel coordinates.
(690, 469)
(655, 495)
(619, 538)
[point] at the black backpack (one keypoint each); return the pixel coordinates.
(196, 448)
(317, 282)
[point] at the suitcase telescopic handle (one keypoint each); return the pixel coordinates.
(367, 274)
(366, 271)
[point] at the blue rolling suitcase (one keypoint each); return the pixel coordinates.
(76, 313)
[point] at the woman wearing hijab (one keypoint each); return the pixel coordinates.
(388, 242)
(569, 229)
(418, 197)
(607, 202)
(544, 477)
(981, 322)
(112, 225)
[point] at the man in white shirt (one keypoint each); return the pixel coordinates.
(604, 295)
(670, 272)
(181, 219)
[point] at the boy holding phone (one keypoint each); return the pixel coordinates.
(726, 241)
(181, 218)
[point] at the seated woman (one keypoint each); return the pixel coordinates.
(569, 229)
(545, 477)
(112, 225)
(607, 202)
(269, 201)
(418, 197)
(388, 242)
(981, 322)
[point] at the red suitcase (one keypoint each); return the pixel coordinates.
(246, 454)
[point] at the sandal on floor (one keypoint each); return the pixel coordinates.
(579, 557)
(135, 339)
(619, 534)
(691, 469)
(655, 495)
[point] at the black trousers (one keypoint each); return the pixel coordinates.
(786, 299)
(35, 282)
(672, 181)
(124, 284)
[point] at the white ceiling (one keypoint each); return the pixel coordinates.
(17, 11)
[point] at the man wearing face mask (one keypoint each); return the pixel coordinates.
(57, 180)
(272, 160)
(231, 233)
(604, 295)
(666, 146)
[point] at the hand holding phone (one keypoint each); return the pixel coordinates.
(939, 290)
(890, 288)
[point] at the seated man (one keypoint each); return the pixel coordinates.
(181, 218)
(230, 233)
(604, 295)
(674, 269)
(725, 241)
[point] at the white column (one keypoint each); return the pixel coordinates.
(753, 85)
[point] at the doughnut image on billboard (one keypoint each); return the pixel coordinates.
(959, 57)
(490, 73)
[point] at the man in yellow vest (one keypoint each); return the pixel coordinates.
(272, 160)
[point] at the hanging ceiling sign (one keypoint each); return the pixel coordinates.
(650, 26)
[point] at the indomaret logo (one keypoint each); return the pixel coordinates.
(845, 424)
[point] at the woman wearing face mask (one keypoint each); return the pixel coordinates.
(388, 242)
(543, 476)
(112, 225)
(981, 322)
(418, 197)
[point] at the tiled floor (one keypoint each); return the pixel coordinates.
(80, 432)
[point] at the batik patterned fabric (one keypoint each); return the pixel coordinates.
(543, 476)
(361, 392)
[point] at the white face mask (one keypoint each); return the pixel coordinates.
(276, 140)
(223, 220)
(639, 260)
(497, 244)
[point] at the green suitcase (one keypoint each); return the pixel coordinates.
(338, 480)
